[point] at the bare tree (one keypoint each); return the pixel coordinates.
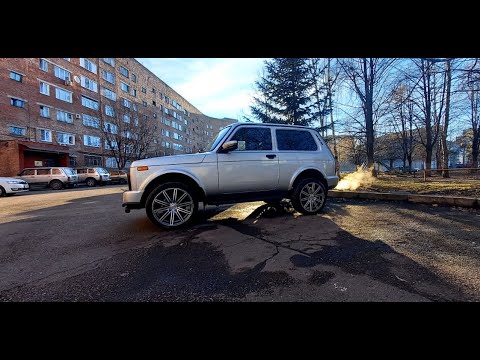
(368, 77)
(128, 135)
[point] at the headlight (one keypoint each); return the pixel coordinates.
(14, 182)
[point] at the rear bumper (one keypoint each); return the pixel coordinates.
(332, 181)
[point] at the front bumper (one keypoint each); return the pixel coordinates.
(17, 188)
(132, 199)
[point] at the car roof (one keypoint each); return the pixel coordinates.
(272, 125)
(47, 167)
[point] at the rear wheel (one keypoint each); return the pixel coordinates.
(91, 182)
(172, 205)
(309, 196)
(56, 185)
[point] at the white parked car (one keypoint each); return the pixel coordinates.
(9, 185)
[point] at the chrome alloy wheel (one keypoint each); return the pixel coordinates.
(312, 197)
(172, 207)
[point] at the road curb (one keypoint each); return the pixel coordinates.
(440, 200)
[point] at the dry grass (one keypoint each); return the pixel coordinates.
(433, 186)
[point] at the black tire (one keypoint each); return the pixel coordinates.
(91, 182)
(188, 204)
(2, 191)
(56, 185)
(317, 201)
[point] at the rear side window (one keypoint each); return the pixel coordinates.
(295, 140)
(91, 171)
(43, 171)
(253, 139)
(56, 172)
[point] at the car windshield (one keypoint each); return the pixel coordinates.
(102, 171)
(219, 137)
(69, 171)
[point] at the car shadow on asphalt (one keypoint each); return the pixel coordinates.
(202, 268)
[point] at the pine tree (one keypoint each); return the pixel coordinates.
(284, 92)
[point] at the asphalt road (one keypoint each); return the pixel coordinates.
(79, 245)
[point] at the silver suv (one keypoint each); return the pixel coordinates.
(246, 162)
(93, 176)
(54, 177)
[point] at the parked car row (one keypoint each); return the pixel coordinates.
(58, 177)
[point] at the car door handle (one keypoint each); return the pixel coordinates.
(271, 156)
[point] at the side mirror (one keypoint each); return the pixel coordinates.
(229, 146)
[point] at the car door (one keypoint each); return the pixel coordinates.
(43, 176)
(28, 175)
(253, 166)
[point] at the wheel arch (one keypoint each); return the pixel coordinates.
(171, 176)
(307, 173)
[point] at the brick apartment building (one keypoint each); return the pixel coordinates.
(56, 111)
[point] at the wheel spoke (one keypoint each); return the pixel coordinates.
(183, 210)
(159, 210)
(181, 198)
(179, 216)
(182, 205)
(164, 216)
(172, 217)
(174, 196)
(164, 193)
(161, 202)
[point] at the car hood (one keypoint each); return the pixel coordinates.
(171, 160)
(4, 179)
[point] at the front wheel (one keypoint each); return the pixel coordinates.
(2, 191)
(309, 196)
(172, 205)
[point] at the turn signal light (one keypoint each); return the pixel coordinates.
(142, 168)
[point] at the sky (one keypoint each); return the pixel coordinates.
(217, 87)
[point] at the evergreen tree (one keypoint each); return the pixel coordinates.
(284, 92)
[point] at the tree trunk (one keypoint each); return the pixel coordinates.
(475, 150)
(446, 122)
(428, 162)
(438, 158)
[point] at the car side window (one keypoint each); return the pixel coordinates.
(295, 140)
(56, 172)
(91, 171)
(43, 171)
(253, 139)
(28, 172)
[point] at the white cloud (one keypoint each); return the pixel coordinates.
(217, 87)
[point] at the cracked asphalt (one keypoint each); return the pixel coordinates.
(79, 245)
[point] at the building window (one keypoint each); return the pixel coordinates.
(90, 121)
(66, 59)
(123, 71)
(45, 135)
(167, 133)
(89, 140)
(89, 84)
(134, 92)
(111, 162)
(124, 87)
(65, 139)
(44, 88)
(166, 110)
(17, 130)
(144, 90)
(110, 128)
(108, 76)
(153, 90)
(61, 73)
(135, 121)
(134, 78)
(109, 111)
(167, 145)
(154, 103)
(167, 99)
(44, 111)
(110, 145)
(109, 61)
(43, 65)
(63, 95)
(135, 107)
(127, 103)
(16, 76)
(89, 103)
(145, 117)
(17, 102)
(87, 64)
(154, 115)
(91, 160)
(126, 118)
(64, 116)
(109, 94)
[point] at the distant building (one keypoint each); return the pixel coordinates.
(53, 110)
